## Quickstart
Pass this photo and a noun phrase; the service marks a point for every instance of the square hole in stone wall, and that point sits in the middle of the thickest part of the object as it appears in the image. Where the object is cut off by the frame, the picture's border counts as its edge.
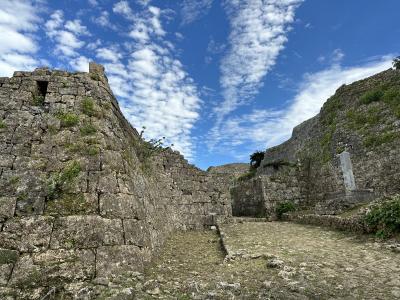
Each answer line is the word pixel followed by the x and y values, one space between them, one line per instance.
pixel 42 88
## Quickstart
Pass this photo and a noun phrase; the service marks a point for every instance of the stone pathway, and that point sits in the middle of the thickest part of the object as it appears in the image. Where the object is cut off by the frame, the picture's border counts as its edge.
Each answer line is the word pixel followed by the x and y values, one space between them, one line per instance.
pixel 272 260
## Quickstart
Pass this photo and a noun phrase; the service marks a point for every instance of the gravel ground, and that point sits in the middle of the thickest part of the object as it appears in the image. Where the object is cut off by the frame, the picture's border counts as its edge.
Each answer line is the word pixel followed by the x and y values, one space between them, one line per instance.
pixel 272 260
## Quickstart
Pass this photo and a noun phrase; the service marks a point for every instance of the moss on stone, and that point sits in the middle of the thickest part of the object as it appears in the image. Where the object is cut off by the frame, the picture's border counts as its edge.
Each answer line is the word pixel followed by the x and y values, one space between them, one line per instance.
pixel 8 256
pixel 14 180
pixel 2 124
pixel 38 100
pixel 87 129
pixel 68 119
pixel 61 180
pixel 95 76
pixel 88 106
pixel 375 140
pixel 68 204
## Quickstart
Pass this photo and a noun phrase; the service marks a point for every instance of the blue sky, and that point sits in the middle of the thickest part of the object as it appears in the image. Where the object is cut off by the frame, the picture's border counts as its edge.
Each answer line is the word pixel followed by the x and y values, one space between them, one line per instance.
pixel 218 79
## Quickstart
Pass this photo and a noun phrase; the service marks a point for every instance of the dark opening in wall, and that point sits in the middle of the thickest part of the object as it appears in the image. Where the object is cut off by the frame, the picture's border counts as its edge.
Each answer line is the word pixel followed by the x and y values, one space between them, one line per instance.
pixel 42 88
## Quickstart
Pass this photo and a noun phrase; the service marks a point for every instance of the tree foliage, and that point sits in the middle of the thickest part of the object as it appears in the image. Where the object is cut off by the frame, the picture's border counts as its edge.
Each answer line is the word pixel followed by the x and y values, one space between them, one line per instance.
pixel 256 159
pixel 396 63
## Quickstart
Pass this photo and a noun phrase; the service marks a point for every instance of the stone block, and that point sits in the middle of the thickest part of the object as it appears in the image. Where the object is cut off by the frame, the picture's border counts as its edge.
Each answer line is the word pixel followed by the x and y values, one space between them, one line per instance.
pixel 73 204
pixel 123 206
pixel 120 260
pixel 7 207
pixel 6 160
pixel 5 273
pixel 28 205
pixel 53 267
pixel 68 91
pixel 27 234
pixel 86 232
pixel 137 233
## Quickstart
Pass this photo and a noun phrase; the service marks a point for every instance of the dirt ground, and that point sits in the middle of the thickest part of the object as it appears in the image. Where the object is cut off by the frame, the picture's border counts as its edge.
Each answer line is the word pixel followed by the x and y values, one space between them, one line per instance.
pixel 272 260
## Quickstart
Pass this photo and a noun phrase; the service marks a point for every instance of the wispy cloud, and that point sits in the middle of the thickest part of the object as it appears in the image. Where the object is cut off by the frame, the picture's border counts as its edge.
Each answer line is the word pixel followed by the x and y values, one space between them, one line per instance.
pixel 67 38
pixel 155 90
pixel 18 20
pixel 191 10
pixel 261 129
pixel 258 34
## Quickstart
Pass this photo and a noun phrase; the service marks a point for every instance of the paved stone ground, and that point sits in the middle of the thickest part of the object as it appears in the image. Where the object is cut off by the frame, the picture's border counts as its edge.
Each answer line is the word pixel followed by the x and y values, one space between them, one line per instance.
pixel 272 261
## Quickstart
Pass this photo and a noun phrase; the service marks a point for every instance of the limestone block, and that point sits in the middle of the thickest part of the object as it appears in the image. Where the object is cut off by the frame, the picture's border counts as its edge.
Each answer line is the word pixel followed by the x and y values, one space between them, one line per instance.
pixel 107 183
pixel 86 232
pixel 5 273
pixel 137 233
pixel 28 204
pixel 7 260
pixel 68 91
pixel 7 207
pixel 73 204
pixel 6 160
pixel 119 260
pixel 123 206
pixel 28 234
pixel 53 266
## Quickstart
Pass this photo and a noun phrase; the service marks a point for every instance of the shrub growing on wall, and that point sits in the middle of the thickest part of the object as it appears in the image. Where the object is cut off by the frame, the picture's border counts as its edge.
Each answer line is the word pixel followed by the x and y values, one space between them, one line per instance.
pixel 384 218
pixel 283 208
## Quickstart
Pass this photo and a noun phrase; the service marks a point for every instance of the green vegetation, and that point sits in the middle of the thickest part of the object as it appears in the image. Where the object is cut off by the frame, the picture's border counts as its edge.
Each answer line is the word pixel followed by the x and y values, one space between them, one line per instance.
pixel 375 140
pixel 2 124
pixel 87 129
pixel 256 159
pixel 384 218
pixel 8 256
pixel 68 204
pixel 88 107
pixel 88 147
pixel 61 180
pixel 14 180
pixel 283 208
pixel 145 150
pixel 38 100
pixel 386 93
pixel 358 120
pixel 396 63
pixel 68 119
pixel 330 110
pixel 95 76
pixel 340 149
pixel 246 176
pixel 326 143
pixel 372 96
pixel 52 129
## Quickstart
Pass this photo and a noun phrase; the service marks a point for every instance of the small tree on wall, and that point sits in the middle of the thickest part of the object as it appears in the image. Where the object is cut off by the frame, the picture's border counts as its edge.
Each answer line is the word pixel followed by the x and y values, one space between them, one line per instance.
pixel 396 63
pixel 256 158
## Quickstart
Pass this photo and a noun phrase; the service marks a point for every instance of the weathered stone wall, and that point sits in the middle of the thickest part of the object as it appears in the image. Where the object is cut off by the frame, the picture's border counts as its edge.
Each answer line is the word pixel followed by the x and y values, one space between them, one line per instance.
pixel 370 132
pixel 81 197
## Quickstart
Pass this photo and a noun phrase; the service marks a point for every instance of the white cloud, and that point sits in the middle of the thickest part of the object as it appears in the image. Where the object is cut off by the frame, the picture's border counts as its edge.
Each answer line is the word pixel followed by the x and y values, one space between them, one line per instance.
pixel 155 90
pixel 18 20
pixel 93 2
pixel 191 10
pixel 258 34
pixel 76 27
pixel 261 129
pixel 104 20
pixel 80 63
pixel 66 35
pixel 123 8
pixel 109 54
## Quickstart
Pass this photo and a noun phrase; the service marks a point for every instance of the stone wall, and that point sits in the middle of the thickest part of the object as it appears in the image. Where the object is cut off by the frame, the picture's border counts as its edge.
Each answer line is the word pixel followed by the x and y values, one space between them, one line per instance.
pixel 82 198
pixel 370 132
